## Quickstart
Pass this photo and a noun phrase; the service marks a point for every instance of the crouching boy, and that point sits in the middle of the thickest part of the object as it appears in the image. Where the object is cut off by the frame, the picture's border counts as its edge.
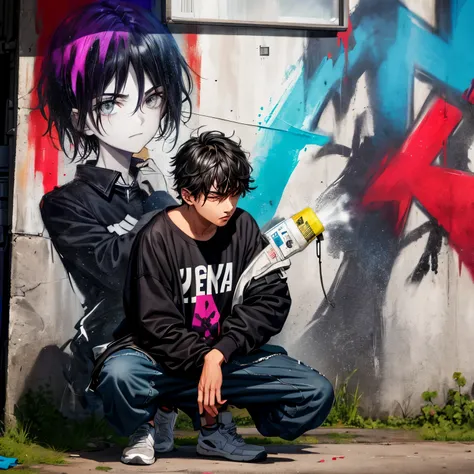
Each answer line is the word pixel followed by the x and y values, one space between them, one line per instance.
pixel 184 345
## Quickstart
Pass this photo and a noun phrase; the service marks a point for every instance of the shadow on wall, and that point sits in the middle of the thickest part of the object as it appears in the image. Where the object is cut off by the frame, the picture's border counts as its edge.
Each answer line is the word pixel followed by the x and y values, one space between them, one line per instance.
pixel 48 372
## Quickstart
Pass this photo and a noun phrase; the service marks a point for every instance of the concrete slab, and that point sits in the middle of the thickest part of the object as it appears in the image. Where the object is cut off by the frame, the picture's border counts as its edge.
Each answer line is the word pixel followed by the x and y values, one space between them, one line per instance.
pixel 413 458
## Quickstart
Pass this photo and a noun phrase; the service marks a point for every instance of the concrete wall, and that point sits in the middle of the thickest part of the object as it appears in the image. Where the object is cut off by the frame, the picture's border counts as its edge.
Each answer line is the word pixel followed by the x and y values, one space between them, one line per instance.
pixel 371 129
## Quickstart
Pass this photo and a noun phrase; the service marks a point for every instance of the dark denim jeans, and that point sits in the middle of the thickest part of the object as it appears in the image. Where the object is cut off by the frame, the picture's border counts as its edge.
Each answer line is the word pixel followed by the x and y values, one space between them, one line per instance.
pixel 284 397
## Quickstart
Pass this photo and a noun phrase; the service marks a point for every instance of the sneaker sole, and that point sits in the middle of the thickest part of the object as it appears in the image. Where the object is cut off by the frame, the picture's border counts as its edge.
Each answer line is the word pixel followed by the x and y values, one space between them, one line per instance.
pixel 138 460
pixel 261 456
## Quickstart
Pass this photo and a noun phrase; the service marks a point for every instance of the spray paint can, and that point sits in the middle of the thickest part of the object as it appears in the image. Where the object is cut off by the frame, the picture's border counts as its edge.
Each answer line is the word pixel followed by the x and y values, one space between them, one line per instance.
pixel 286 238
pixel 293 234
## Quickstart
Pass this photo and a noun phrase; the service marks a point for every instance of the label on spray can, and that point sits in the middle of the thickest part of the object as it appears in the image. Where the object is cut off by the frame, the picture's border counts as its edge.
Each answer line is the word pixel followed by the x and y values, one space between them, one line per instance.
pixel 308 224
pixel 283 239
pixel 271 254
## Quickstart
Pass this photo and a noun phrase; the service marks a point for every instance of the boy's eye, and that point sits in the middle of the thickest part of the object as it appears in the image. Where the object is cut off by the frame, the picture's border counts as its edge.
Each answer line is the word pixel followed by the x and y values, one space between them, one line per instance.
pixel 215 197
pixel 153 100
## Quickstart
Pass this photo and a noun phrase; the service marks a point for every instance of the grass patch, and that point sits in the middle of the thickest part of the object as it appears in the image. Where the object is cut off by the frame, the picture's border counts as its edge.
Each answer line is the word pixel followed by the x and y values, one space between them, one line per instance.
pixel 36 413
pixel 259 441
pixel 241 418
pixel 392 423
pixel 16 443
pixel 340 438
pixel 103 468
pixel 433 433
pixel 183 422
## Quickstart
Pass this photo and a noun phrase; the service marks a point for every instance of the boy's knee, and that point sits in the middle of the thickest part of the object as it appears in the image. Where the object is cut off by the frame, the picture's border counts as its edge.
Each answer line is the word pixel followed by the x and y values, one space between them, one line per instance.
pixel 320 384
pixel 117 369
pixel 321 387
pixel 325 391
pixel 321 393
pixel 322 400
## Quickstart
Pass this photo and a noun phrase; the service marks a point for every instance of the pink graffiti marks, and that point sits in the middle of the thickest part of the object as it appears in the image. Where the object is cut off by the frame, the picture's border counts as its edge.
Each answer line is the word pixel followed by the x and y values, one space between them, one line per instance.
pixel 445 194
pixel 206 317
pixel 194 60
pixel 82 47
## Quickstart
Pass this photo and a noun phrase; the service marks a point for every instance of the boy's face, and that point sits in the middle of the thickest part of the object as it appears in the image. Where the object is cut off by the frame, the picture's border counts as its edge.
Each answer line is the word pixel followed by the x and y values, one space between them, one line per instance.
pixel 122 127
pixel 216 208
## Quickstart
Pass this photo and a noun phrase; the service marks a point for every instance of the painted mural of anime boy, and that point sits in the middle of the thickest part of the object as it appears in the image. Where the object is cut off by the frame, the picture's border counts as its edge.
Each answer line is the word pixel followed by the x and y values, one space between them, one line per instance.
pixel 112 81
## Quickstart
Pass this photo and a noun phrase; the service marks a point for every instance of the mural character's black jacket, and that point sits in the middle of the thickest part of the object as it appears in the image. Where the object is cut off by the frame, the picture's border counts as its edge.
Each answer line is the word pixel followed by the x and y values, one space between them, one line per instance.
pixel 178 296
pixel 92 222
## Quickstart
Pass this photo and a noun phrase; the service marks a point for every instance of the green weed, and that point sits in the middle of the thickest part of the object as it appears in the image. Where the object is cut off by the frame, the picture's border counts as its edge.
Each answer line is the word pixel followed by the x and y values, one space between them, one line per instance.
pixel 16 443
pixel 345 410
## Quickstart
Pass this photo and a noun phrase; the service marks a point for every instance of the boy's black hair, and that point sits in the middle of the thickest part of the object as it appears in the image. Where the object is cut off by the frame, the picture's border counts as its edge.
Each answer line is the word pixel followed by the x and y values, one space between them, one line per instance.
pixel 212 163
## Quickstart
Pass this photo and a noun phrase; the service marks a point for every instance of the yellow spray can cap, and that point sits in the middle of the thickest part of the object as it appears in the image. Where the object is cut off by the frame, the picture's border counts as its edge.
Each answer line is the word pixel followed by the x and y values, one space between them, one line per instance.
pixel 308 224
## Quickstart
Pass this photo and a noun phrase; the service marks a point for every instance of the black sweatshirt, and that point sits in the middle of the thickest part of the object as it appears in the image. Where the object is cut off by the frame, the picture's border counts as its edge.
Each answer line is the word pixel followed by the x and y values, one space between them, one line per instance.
pixel 178 294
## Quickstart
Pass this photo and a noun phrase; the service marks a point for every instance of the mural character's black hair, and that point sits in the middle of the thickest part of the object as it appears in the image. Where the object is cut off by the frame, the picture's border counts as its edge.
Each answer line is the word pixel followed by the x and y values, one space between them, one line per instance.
pixel 96 45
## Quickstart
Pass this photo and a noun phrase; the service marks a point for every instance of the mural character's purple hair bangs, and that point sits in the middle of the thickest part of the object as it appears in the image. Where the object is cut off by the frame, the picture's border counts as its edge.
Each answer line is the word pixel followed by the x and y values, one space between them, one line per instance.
pixel 97 45
pixel 80 49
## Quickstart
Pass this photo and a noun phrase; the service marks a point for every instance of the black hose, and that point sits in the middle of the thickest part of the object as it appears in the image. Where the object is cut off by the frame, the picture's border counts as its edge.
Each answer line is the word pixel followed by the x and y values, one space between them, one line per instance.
pixel 318 254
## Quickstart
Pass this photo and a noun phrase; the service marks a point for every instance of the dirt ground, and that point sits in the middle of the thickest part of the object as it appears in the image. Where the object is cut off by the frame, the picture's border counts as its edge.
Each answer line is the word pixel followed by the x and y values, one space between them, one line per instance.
pixel 363 452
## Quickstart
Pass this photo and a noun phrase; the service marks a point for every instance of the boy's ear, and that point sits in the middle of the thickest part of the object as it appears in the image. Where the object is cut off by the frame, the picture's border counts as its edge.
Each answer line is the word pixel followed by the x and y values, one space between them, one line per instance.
pixel 186 197
pixel 75 122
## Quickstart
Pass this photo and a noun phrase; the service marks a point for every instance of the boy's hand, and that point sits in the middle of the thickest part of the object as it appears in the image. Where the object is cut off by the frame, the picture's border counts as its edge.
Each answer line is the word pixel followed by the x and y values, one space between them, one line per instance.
pixel 209 388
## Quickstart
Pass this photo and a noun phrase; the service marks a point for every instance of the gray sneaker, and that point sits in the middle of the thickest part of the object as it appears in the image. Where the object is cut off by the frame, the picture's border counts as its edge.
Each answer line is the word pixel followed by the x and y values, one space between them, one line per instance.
pixel 164 426
pixel 141 446
pixel 224 442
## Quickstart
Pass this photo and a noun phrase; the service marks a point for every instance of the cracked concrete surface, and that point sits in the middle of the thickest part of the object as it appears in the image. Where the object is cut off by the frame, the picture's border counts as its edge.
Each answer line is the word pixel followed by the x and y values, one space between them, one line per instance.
pixel 413 458
pixel 43 308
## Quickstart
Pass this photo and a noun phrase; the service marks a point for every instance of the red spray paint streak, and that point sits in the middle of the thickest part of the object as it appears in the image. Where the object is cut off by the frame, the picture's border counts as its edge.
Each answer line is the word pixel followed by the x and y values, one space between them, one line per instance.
pixel 344 37
pixel 446 194
pixel 194 60
pixel 49 14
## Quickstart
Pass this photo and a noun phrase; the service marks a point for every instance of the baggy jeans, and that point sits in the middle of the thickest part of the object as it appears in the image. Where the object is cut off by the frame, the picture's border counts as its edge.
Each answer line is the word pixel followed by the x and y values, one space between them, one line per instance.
pixel 284 397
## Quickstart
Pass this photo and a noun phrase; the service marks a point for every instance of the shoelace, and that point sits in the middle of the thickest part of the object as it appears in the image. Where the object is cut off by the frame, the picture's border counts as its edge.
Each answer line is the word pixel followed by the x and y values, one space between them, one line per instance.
pixel 140 437
pixel 232 430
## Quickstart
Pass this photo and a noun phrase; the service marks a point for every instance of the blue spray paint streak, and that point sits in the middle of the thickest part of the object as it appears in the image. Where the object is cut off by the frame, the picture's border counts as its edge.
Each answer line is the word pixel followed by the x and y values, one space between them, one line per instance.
pixel 451 62
pixel 394 84
pixel 415 48
pixel 278 151
pixel 276 154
